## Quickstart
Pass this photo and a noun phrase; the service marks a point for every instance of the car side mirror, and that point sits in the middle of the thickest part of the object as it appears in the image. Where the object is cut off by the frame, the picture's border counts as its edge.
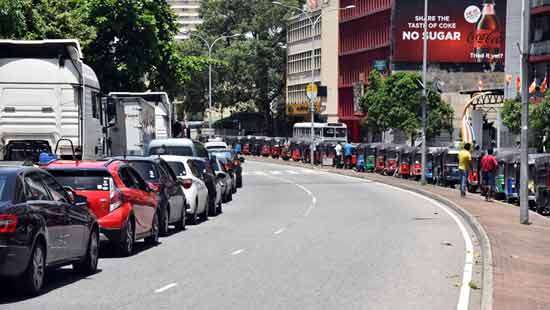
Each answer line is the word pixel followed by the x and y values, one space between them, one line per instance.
pixel 220 175
pixel 70 194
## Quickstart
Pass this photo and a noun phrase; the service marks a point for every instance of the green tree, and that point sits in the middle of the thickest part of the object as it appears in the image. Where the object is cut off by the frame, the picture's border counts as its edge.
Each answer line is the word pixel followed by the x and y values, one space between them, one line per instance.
pixel 511 115
pixel 540 123
pixel 395 102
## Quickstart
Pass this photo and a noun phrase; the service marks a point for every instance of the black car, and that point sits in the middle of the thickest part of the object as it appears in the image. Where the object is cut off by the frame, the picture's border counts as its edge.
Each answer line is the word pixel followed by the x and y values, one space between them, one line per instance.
pixel 42 225
pixel 233 164
pixel 205 168
pixel 172 200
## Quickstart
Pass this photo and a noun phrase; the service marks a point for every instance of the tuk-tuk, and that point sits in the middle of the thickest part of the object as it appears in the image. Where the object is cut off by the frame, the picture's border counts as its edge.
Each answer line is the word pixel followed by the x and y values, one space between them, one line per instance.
pixel 370 157
pixel 351 161
pixel 286 151
pixel 434 164
pixel 266 147
pixel 474 174
pixel 360 164
pixel 381 158
pixel 392 160
pixel 326 153
pixel 507 175
pixel 246 145
pixel 257 146
pixel 416 164
pixel 450 175
pixel 305 150
pixel 405 154
pixel 539 184
pixel 276 148
pixel 295 151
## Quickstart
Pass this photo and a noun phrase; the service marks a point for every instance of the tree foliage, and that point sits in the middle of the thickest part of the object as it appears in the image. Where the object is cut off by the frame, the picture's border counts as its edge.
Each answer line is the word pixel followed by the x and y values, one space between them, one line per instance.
pixel 395 102
pixel 511 115
pixel 539 121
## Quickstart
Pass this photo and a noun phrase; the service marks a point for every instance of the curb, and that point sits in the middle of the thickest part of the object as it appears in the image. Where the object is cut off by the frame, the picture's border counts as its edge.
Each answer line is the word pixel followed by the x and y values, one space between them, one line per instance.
pixel 481 234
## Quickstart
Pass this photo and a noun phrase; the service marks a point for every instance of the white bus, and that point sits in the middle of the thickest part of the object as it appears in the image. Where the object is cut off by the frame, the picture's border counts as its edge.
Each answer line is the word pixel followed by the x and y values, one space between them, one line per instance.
pixel 324 132
pixel 48 93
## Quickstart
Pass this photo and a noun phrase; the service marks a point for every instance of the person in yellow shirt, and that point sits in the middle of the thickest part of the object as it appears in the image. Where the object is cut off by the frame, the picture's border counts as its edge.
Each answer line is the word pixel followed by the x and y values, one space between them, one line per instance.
pixel 464 160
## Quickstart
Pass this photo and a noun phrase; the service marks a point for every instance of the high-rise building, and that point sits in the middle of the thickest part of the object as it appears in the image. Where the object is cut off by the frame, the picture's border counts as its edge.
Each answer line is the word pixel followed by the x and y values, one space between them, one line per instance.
pixel 188 16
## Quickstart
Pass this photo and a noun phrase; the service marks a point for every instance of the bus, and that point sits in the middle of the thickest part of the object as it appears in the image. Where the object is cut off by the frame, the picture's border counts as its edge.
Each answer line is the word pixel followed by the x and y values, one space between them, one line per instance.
pixel 324 132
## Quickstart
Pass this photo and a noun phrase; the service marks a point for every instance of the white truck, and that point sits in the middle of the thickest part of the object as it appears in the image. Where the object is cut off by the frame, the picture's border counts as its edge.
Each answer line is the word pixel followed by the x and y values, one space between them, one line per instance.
pixel 47 94
pixel 134 127
pixel 163 110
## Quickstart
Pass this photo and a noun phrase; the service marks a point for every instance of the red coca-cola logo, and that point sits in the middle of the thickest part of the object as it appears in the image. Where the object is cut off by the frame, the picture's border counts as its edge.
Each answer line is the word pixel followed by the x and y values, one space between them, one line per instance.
pixel 485 39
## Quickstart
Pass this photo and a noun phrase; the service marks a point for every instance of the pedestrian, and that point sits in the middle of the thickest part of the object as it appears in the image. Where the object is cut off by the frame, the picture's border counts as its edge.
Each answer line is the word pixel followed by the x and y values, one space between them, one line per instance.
pixel 464 160
pixel 348 150
pixel 338 150
pixel 489 166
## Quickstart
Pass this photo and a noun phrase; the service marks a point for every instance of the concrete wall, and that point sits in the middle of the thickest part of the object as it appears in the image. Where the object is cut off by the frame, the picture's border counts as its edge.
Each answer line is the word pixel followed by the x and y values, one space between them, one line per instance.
pixel 329 59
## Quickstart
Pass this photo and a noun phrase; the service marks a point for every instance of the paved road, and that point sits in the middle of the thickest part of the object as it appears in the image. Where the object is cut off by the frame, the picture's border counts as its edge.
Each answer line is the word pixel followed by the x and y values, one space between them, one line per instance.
pixel 291 239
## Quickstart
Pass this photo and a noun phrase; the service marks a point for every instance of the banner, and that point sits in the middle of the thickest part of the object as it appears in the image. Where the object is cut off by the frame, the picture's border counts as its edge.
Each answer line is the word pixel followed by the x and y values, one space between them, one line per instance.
pixel 459 31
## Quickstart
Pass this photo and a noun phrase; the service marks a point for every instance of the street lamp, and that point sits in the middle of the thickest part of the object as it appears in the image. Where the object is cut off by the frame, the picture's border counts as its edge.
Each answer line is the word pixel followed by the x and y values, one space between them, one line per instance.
pixel 424 95
pixel 210 46
pixel 313 22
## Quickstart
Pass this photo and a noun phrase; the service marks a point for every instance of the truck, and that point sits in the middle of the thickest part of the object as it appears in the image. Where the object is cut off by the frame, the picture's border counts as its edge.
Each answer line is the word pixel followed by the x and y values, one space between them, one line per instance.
pixel 49 99
pixel 163 110
pixel 134 127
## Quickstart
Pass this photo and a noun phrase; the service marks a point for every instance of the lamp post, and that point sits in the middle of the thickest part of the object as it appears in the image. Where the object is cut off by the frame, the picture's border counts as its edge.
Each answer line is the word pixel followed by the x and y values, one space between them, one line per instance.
pixel 524 157
pixel 313 22
pixel 424 94
pixel 210 47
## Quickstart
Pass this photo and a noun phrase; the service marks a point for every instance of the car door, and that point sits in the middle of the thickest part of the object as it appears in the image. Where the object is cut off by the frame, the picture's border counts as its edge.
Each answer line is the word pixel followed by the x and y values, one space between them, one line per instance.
pixel 77 217
pixel 202 190
pixel 54 216
pixel 145 201
pixel 174 191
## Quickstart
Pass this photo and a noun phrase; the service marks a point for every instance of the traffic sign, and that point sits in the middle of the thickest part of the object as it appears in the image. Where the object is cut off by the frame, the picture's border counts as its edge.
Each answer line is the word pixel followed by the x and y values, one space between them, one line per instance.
pixel 311 91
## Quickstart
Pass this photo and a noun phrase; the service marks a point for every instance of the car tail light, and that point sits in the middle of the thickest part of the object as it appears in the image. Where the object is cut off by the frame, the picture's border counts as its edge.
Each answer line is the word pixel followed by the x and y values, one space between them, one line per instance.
pixel 116 199
pixel 186 183
pixel 8 223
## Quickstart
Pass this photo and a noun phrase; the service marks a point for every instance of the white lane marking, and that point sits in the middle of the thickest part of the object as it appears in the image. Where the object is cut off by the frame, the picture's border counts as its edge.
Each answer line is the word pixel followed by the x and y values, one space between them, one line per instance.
pixel 166 287
pixel 274 172
pixel 313 199
pixel 280 231
pixel 237 252
pixel 260 173
pixel 464 297
pixel 292 172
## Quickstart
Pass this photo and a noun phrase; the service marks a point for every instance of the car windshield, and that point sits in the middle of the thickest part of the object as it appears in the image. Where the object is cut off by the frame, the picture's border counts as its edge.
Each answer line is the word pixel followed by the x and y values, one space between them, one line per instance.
pixel 146 169
pixel 171 150
pixel 178 168
pixel 227 155
pixel 84 180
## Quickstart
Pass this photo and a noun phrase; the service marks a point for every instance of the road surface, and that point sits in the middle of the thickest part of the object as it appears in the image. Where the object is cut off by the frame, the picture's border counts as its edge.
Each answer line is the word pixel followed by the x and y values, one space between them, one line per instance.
pixel 291 239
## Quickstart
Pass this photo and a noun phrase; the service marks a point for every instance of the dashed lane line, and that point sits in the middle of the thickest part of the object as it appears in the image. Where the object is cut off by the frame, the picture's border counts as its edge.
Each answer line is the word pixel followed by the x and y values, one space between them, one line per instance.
pixel 166 287
pixel 237 252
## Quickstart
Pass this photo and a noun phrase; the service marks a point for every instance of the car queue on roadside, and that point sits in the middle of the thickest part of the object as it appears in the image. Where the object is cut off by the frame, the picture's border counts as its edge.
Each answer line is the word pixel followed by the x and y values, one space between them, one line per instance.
pixel 65 212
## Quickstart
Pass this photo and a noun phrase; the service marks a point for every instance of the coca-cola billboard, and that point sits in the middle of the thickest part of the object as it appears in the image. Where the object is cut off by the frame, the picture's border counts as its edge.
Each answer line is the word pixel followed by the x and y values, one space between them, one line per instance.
pixel 459 31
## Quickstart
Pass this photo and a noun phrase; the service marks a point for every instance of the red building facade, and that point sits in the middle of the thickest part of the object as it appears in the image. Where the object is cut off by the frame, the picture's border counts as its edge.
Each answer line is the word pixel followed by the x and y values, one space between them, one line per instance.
pixel 365 37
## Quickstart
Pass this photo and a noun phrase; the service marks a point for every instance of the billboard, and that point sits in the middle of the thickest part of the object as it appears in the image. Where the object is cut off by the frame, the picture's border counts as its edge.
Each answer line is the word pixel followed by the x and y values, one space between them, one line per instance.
pixel 459 31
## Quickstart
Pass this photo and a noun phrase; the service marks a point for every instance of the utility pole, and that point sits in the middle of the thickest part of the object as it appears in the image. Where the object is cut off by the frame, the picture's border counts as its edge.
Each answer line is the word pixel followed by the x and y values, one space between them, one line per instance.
pixel 524 166
pixel 424 94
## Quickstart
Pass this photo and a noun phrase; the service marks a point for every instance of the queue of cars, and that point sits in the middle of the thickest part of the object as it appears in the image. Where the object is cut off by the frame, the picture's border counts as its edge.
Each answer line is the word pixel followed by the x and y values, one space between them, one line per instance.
pixel 59 212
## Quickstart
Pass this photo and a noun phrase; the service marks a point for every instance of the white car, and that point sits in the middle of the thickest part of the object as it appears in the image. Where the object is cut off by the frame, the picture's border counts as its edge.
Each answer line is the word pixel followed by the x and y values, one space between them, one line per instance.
pixel 216 145
pixel 194 187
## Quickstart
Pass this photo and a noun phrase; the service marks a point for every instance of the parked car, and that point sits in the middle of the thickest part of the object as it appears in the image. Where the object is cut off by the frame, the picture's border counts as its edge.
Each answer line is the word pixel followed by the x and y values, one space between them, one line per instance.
pixel 204 166
pixel 194 186
pixel 124 204
pixel 216 146
pixel 234 164
pixel 223 175
pixel 178 147
pixel 43 225
pixel 171 199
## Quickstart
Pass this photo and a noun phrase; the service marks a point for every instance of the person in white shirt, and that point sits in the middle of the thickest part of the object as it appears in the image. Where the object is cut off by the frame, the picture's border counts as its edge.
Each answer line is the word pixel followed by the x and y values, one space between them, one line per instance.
pixel 338 150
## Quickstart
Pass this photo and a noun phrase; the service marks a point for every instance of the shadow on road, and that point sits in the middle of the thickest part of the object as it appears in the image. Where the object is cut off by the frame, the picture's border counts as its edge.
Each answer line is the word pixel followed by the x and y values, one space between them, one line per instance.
pixel 55 278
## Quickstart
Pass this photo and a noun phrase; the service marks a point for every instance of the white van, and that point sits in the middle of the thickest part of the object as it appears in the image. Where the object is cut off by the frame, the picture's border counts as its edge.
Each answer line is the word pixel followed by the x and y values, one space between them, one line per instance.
pixel 163 110
pixel 47 93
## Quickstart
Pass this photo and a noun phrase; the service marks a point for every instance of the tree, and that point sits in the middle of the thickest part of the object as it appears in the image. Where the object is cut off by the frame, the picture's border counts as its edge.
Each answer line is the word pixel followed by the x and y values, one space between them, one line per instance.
pixel 395 102
pixel 511 115
pixel 539 121
pixel 256 61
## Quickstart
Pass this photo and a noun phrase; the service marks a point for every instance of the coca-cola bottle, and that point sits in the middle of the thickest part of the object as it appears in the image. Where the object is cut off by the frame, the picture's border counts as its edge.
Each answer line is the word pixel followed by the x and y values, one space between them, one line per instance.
pixel 487 37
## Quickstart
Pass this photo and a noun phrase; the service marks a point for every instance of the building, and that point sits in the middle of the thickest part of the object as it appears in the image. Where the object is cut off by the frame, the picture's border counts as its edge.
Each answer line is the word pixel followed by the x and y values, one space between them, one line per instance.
pixel 187 16
pixel 387 35
pixel 365 40
pixel 539 56
pixel 301 42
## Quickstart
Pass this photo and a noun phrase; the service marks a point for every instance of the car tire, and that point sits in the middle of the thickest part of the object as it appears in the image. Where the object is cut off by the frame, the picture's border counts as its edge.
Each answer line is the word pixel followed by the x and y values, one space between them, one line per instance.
pixel 230 197
pixel 153 239
pixel 220 208
pixel 180 225
pixel 205 213
pixel 239 181
pixel 32 280
pixel 164 221
pixel 212 209
pixel 127 238
pixel 88 265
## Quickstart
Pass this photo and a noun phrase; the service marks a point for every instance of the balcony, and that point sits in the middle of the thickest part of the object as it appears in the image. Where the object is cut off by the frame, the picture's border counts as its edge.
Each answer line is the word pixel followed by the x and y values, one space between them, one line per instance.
pixel 539 51
pixel 539 7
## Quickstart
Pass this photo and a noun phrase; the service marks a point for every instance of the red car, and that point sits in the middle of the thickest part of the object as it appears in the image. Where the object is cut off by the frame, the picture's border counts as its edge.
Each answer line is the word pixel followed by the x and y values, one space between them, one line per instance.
pixel 124 204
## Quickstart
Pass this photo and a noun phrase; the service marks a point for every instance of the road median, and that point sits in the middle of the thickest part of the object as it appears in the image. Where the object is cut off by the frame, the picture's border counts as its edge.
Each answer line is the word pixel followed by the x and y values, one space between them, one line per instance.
pixel 515 264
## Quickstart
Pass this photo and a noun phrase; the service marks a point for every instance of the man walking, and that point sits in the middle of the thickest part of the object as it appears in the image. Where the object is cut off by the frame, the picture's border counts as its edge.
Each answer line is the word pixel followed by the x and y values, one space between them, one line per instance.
pixel 348 151
pixel 489 166
pixel 464 160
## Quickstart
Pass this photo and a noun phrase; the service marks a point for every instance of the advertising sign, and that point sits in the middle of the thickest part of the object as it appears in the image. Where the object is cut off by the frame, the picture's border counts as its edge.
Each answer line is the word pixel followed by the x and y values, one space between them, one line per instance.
pixel 459 31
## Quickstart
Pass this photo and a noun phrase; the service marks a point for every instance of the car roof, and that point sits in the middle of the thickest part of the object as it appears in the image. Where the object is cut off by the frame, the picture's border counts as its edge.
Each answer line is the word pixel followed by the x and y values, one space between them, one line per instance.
pixel 171 142
pixel 215 143
pixel 151 159
pixel 176 158
pixel 80 164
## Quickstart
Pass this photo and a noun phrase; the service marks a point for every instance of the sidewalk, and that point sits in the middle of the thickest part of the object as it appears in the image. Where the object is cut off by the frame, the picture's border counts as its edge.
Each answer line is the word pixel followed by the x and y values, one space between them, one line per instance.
pixel 520 253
